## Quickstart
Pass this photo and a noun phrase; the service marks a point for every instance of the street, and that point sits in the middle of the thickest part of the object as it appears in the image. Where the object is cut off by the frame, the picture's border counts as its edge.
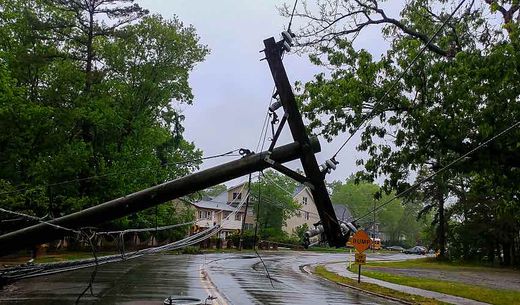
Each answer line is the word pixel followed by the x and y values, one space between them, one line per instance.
pixel 232 278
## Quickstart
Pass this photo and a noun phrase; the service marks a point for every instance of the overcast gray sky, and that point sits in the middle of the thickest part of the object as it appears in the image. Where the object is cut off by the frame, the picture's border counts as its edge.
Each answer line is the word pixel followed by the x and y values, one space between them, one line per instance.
pixel 232 87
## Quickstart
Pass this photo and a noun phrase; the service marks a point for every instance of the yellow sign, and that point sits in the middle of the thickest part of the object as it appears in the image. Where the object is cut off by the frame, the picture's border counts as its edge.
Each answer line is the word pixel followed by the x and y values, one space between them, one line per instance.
pixel 361 258
pixel 361 241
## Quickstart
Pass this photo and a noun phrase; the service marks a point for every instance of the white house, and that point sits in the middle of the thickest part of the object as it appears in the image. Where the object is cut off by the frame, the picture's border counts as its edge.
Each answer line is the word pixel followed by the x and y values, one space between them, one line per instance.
pixel 307 213
pixel 212 211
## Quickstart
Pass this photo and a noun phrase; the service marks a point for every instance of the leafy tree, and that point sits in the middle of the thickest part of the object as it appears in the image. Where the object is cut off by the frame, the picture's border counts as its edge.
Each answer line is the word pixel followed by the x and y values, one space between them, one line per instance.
pixel 86 26
pixel 273 203
pixel 299 231
pixel 89 92
pixel 460 92
pixel 215 190
pixel 396 220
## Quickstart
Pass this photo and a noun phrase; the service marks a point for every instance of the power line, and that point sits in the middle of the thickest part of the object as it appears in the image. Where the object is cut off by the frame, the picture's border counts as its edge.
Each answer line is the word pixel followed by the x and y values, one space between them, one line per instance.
pixel 285 190
pixel 90 285
pixel 163 228
pixel 417 184
pixel 395 82
pixel 51 268
pixel 292 15
pixel 39 220
pixel 17 190
pixel 265 124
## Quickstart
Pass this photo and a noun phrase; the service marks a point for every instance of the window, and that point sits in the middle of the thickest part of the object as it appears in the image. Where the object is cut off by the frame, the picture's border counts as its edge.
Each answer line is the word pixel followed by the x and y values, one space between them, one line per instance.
pixel 238 216
pixel 307 216
pixel 299 214
pixel 304 200
pixel 205 214
pixel 237 196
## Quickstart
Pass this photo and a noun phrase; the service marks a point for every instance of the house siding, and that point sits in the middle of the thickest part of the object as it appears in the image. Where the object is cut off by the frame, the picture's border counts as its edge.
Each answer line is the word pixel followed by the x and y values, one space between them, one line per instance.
pixel 308 213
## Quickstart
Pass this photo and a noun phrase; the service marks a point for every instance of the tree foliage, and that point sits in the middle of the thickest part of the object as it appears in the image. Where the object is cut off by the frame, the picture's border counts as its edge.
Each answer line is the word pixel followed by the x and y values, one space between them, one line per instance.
pixel 273 203
pixel 461 91
pixel 214 190
pixel 397 222
pixel 89 99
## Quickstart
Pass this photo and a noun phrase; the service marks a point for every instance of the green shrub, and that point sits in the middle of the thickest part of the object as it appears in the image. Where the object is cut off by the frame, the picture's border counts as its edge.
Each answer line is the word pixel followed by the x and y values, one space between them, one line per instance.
pixel 191 250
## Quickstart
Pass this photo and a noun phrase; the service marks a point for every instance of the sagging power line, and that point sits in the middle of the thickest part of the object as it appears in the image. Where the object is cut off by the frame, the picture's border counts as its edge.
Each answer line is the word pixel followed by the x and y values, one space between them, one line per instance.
pixel 16 273
pixel 443 169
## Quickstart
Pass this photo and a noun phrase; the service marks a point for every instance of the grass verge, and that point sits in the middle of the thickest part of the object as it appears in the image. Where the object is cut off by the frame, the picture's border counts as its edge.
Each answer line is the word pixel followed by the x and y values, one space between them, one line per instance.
pixel 478 293
pixel 433 263
pixel 327 250
pixel 410 298
pixel 344 250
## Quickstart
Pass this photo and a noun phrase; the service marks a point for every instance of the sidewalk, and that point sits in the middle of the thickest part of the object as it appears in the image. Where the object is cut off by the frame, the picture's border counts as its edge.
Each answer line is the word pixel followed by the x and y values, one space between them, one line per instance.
pixel 340 269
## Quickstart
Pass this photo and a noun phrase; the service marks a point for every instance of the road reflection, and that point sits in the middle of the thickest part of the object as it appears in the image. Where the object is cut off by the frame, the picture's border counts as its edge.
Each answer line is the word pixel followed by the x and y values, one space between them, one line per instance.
pixel 235 278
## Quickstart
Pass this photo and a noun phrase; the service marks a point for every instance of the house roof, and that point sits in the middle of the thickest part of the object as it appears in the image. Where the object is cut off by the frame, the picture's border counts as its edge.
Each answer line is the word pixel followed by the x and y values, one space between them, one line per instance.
pixel 222 197
pixel 298 189
pixel 213 205
pixel 237 186
pixel 220 202
pixel 342 212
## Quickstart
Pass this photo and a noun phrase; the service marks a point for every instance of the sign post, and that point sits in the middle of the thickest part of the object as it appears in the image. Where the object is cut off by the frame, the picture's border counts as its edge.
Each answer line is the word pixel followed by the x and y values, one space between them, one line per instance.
pixel 361 242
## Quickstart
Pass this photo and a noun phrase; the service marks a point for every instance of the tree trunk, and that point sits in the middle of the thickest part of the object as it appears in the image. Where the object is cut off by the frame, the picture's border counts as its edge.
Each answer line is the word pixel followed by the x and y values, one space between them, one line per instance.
pixel 441 231
pixel 506 248
pixel 491 253
pixel 90 51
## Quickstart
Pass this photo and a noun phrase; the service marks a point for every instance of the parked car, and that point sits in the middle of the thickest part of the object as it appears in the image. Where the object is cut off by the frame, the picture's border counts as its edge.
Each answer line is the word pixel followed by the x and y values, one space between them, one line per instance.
pixel 395 248
pixel 416 250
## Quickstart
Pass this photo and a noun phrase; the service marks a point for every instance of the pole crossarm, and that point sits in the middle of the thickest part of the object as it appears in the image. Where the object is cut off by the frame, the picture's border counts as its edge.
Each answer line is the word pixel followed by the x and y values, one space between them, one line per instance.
pixel 332 230
pixel 150 197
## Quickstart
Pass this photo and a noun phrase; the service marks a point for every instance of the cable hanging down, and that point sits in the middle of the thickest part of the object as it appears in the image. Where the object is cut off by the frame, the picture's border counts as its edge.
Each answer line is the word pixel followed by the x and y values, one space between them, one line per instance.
pixel 21 272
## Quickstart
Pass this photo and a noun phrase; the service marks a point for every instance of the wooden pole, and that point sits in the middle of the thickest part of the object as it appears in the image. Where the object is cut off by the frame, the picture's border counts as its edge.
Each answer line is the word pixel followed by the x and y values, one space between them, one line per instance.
pixel 245 214
pixel 148 198
pixel 311 168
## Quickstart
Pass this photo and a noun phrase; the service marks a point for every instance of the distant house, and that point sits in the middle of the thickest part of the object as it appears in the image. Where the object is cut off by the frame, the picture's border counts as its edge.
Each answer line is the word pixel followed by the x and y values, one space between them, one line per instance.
pixel 237 194
pixel 342 212
pixel 211 211
pixel 307 213
pixel 217 210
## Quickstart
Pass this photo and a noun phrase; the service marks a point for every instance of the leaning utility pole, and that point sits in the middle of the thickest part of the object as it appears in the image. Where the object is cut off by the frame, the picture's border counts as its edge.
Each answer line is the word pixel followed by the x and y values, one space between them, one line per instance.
pixel 314 177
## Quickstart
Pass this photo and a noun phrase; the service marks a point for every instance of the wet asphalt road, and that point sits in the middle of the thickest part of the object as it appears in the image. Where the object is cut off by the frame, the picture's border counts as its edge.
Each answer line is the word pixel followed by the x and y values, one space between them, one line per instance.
pixel 233 278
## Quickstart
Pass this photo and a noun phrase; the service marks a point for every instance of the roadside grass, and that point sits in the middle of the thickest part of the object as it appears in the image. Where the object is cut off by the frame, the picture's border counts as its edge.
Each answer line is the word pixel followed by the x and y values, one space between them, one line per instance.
pixel 414 299
pixel 343 250
pixel 478 293
pixel 433 263
pixel 326 250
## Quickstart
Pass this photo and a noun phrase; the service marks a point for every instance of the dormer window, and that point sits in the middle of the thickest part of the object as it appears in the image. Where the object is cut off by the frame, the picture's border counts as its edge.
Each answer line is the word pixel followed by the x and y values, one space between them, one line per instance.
pixel 237 196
